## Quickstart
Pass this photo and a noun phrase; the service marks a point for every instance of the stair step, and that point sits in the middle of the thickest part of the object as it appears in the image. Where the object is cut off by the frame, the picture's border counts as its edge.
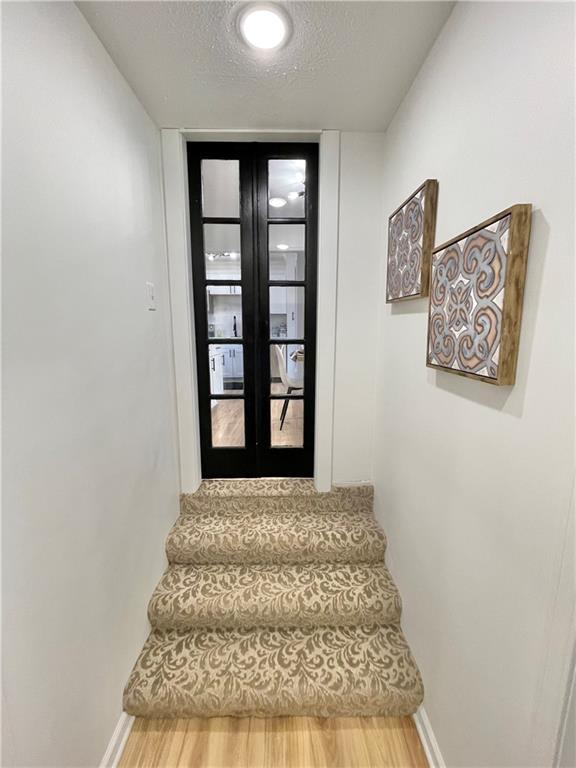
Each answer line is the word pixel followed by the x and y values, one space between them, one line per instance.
pixel 259 486
pixel 254 536
pixel 319 503
pixel 194 597
pixel 269 486
pixel 320 672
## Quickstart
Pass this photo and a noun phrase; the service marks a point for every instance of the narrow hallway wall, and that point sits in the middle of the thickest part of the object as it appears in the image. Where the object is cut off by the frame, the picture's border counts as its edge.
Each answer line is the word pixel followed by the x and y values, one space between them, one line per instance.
pixel 473 482
pixel 90 472
pixel 568 754
pixel 360 247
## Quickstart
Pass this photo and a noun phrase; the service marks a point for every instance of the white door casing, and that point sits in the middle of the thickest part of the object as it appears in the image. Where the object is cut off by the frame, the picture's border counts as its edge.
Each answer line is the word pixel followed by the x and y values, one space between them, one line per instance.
pixel 181 300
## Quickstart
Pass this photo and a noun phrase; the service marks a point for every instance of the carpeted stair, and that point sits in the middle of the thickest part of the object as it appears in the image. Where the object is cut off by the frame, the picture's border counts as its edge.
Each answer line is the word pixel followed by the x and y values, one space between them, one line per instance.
pixel 276 601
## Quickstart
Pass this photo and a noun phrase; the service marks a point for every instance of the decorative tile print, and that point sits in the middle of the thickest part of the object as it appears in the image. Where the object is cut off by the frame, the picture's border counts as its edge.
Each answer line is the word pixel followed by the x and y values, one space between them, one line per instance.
pixel 410 242
pixel 405 234
pixel 466 301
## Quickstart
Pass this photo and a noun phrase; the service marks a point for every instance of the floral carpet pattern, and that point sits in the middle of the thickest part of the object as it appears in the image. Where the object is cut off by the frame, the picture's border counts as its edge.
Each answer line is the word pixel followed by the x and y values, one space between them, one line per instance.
pixel 276 601
pixel 343 500
pixel 322 594
pixel 280 537
pixel 321 671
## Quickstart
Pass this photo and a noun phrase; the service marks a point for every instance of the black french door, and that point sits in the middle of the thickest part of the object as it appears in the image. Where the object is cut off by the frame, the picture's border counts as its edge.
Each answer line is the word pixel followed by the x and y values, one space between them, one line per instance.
pixel 253 219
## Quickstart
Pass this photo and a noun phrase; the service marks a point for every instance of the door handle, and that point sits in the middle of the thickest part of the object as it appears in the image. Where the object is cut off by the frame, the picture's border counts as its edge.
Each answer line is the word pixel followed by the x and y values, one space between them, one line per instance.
pixel 213 361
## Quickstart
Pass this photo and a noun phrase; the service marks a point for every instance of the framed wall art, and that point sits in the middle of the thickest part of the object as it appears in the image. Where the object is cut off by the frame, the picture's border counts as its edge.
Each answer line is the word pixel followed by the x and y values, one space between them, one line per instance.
pixel 411 231
pixel 476 293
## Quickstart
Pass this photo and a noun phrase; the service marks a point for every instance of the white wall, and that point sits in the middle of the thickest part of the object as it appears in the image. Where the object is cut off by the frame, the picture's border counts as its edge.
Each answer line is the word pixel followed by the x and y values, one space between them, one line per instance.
pixel 473 482
pixel 360 248
pixel 90 472
pixel 568 746
pixel 568 753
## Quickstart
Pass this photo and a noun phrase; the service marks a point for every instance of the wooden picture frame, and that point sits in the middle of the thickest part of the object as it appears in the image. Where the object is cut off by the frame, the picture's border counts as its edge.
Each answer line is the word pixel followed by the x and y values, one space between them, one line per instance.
pixel 476 294
pixel 411 231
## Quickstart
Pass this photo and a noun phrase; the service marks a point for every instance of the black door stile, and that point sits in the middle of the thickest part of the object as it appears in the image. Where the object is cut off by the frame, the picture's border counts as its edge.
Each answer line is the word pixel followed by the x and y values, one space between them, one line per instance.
pixel 257 457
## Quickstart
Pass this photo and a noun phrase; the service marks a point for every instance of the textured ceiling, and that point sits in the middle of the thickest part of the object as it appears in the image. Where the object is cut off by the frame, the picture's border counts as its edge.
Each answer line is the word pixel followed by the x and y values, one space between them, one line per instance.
pixel 347 65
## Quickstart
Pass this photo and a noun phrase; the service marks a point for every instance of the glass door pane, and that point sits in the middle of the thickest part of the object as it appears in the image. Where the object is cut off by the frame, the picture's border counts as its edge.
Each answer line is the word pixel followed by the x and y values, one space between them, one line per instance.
pixel 287 251
pixel 287 423
pixel 226 369
pixel 222 251
pixel 286 188
pixel 221 188
pixel 286 369
pixel 224 308
pixel 227 421
pixel 287 312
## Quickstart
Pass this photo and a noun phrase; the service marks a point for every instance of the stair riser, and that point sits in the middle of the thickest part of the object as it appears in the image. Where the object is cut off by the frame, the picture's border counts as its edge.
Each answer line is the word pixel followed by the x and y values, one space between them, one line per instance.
pixel 271 487
pixel 211 553
pixel 351 708
pixel 330 503
pixel 257 486
pixel 247 615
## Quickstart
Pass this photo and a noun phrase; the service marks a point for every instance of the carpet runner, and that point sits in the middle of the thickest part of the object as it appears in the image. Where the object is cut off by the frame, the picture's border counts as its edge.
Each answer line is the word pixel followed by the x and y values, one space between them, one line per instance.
pixel 276 601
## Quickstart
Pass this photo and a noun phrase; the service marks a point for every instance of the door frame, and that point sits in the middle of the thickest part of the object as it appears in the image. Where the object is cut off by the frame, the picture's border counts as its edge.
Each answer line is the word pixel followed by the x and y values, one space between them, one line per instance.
pixel 178 246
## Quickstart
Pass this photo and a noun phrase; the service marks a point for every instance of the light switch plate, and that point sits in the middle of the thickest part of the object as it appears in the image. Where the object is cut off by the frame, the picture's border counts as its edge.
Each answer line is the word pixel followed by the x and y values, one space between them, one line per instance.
pixel 151 296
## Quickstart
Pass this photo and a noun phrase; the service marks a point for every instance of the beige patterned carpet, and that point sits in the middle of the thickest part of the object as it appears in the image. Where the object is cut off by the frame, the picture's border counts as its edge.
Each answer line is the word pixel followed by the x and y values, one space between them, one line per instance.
pixel 276 601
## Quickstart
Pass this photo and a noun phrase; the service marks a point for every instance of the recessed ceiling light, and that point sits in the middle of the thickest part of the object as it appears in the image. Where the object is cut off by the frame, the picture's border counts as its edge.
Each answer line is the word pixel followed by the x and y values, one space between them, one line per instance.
pixel 211 256
pixel 277 202
pixel 263 26
pixel 282 247
pixel 293 195
pixel 234 254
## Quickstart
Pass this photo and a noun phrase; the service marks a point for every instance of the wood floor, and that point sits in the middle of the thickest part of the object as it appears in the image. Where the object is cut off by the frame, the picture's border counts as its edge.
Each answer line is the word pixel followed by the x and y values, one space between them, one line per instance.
pixel 281 742
pixel 228 423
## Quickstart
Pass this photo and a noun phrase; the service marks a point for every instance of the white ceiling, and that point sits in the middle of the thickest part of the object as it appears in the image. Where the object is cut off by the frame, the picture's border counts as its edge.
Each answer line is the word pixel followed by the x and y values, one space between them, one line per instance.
pixel 347 65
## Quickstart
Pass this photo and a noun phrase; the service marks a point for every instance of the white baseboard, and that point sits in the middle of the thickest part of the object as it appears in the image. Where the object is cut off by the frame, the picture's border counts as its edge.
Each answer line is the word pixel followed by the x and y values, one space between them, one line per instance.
pixel 351 483
pixel 117 742
pixel 428 739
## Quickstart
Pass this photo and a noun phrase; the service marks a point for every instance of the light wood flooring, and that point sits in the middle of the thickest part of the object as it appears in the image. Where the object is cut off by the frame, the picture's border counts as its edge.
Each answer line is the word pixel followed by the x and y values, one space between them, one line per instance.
pixel 228 423
pixel 280 742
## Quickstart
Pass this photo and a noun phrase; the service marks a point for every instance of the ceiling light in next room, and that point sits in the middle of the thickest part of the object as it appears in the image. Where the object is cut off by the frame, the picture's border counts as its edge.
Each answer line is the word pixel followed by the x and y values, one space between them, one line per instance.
pixel 264 26
pixel 277 202
pixel 293 195
pixel 282 247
